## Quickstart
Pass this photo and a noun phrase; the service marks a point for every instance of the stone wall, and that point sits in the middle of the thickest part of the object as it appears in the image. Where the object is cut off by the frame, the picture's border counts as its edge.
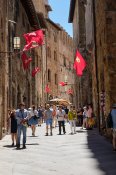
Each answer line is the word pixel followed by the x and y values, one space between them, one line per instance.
pixel 66 60
pixel 41 59
pixel 52 57
pixel 15 83
pixel 106 49
pixel 4 56
pixel 59 50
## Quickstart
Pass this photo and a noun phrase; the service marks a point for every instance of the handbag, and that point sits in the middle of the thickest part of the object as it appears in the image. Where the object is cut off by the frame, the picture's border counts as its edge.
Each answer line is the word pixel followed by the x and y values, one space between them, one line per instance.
pixel 24 122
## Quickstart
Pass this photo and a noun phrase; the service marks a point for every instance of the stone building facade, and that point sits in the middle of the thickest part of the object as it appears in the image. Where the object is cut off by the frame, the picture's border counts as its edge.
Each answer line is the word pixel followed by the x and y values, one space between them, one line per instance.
pixel 16 84
pixel 65 66
pixel 52 57
pixel 59 60
pixel 42 9
pixel 100 49
pixel 106 54
pixel 83 84
pixel 3 66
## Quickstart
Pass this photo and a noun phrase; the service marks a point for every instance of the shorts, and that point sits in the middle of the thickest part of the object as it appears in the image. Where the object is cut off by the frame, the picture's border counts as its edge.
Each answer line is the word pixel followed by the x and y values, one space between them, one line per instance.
pixel 49 122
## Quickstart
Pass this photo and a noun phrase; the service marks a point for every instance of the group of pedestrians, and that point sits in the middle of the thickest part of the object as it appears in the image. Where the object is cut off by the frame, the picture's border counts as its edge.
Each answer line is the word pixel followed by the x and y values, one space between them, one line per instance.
pixel 86 117
pixel 52 116
pixel 19 120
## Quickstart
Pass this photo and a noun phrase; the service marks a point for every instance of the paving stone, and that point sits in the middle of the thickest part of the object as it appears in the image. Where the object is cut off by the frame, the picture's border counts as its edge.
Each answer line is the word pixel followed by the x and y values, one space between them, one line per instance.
pixel 86 152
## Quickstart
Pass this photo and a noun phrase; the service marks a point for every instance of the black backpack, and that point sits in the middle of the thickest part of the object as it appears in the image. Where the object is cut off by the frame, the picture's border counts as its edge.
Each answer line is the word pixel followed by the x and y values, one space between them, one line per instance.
pixel 109 121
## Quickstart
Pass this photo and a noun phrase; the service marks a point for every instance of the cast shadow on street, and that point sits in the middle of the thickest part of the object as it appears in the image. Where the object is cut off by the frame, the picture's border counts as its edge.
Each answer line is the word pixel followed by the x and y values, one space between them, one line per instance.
pixel 81 131
pixel 103 152
pixel 33 136
pixel 10 146
pixel 32 144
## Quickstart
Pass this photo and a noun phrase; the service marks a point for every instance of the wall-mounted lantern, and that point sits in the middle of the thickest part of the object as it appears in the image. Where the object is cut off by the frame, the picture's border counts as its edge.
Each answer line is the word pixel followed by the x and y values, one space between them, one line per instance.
pixel 16 43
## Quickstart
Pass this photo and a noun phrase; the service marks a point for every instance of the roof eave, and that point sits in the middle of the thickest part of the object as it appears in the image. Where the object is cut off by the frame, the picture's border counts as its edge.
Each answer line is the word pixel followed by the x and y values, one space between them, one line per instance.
pixel 54 24
pixel 48 7
pixel 31 13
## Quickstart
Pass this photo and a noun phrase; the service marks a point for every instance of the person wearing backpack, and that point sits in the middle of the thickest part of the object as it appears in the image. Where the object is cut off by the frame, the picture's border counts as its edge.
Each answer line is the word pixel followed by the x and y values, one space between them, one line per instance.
pixel 113 115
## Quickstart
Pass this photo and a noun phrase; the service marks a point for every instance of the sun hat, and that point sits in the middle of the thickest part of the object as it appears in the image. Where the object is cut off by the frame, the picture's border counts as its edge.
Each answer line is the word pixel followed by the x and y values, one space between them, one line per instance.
pixel 22 104
pixel 29 109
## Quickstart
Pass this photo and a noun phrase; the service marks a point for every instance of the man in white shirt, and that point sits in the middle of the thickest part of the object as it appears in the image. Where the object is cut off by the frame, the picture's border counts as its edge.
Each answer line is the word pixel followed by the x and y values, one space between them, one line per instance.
pixel 61 117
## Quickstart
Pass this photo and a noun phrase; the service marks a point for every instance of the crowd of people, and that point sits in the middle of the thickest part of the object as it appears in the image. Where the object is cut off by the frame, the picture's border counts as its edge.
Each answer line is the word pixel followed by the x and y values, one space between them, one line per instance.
pixel 52 116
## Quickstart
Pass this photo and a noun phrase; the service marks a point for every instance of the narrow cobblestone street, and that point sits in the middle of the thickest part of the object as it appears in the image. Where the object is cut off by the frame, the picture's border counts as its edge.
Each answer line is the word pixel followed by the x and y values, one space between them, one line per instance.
pixel 83 153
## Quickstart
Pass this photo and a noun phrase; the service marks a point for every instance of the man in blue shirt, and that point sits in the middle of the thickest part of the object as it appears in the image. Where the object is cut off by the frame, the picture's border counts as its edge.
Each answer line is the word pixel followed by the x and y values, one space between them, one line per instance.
pixel 113 114
pixel 21 116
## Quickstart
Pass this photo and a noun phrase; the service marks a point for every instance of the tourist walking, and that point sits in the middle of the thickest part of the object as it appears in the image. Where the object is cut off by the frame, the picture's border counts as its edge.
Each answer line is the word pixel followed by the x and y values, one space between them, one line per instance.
pixel 21 116
pixel 54 114
pixel 72 116
pixel 89 111
pixel 66 113
pixel 80 116
pixel 89 117
pixel 13 127
pixel 61 119
pixel 33 119
pixel 84 118
pixel 48 119
pixel 9 122
pixel 40 115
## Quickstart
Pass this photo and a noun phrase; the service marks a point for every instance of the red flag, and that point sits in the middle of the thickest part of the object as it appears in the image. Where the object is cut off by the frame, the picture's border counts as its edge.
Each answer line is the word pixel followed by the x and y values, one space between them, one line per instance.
pixel 29 46
pixel 70 91
pixel 24 57
pixel 34 71
pixel 63 83
pixel 33 39
pixel 47 89
pixel 26 63
pixel 79 64
pixel 25 60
